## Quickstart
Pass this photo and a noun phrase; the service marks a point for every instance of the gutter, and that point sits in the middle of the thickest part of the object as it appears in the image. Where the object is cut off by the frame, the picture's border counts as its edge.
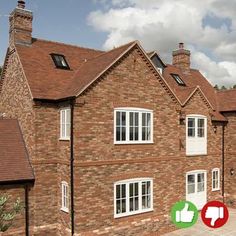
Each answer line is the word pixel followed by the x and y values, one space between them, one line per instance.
pixel 17 182
pixel 26 210
pixel 72 104
pixel 223 161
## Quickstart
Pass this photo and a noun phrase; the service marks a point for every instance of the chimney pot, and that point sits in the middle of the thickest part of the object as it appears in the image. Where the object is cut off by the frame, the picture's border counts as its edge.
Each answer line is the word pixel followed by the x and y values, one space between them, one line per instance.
pixel 21 4
pixel 181 45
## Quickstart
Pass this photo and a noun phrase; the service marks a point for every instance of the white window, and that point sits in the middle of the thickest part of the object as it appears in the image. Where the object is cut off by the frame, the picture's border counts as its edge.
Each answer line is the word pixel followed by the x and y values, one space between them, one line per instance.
pixel 215 179
pixel 160 70
pixel 133 125
pixel 64 196
pixel 65 124
pixel 196 135
pixel 133 196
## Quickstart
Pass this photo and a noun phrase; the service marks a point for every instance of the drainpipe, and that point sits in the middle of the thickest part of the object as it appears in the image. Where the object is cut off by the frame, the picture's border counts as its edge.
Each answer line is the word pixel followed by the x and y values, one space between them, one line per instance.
pixel 223 162
pixel 26 210
pixel 72 166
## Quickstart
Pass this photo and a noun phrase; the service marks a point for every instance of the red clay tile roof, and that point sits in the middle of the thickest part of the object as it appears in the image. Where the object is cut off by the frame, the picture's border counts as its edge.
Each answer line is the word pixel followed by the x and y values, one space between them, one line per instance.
pixel 14 161
pixel 44 79
pixel 48 82
pixel 227 100
pixel 193 80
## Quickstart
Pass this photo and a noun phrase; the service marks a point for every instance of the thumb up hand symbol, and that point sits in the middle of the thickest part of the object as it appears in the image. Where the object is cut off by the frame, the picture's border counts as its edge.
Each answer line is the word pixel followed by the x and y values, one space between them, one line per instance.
pixel 184 215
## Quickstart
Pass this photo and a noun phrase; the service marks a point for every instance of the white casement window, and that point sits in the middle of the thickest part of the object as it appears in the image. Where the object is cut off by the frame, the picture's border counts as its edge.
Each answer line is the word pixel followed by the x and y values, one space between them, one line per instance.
pixel 215 179
pixel 133 196
pixel 65 124
pixel 64 196
pixel 196 135
pixel 133 125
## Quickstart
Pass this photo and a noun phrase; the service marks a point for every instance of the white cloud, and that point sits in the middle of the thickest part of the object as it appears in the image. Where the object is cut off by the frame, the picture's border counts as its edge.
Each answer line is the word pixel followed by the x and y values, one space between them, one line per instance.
pixel 161 24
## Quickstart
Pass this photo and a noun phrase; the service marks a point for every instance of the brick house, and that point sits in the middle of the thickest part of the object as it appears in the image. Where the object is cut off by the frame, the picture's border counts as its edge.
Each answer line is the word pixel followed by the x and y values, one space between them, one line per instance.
pixel 114 138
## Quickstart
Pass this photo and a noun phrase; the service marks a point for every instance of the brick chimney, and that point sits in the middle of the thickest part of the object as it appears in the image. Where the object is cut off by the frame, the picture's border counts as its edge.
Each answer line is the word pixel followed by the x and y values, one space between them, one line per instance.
pixel 181 58
pixel 20 25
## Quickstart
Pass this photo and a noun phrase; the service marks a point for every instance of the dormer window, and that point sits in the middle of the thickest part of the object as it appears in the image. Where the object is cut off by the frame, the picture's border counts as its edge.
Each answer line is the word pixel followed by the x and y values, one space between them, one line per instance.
pixel 178 80
pixel 60 61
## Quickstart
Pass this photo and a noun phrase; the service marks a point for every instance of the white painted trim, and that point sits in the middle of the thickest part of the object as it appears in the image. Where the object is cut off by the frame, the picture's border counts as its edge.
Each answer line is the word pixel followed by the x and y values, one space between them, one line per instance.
pixel 127 110
pixel 64 209
pixel 132 109
pixel 127 182
pixel 189 150
pixel 195 172
pixel 64 184
pixel 160 70
pixel 65 138
pixel 218 188
pixel 195 115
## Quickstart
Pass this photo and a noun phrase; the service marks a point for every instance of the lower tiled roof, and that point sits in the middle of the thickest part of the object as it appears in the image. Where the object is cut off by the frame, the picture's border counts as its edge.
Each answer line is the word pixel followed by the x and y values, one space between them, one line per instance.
pixel 227 100
pixel 14 160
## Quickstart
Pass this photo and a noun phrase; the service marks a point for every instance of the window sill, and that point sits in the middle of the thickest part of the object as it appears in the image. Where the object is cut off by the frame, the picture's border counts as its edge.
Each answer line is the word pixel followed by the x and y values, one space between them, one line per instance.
pixel 66 210
pixel 198 154
pixel 133 213
pixel 131 143
pixel 64 139
pixel 215 190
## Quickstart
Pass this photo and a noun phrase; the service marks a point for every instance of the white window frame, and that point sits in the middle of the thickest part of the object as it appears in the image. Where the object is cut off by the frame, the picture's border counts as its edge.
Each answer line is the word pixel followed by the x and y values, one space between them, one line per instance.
pixel 64 196
pixel 194 144
pixel 65 110
pixel 127 110
pixel 127 182
pixel 218 187
pixel 160 70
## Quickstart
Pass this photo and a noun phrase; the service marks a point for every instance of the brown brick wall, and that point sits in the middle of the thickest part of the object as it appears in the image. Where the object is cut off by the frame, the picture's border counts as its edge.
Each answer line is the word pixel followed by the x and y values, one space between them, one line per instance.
pixel 40 127
pixel 181 59
pixel 14 192
pixel 16 103
pixel 99 163
pixel 230 153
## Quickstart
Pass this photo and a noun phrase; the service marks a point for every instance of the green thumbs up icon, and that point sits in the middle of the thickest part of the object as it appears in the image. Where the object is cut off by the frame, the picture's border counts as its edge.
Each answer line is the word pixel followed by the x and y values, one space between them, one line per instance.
pixel 184 214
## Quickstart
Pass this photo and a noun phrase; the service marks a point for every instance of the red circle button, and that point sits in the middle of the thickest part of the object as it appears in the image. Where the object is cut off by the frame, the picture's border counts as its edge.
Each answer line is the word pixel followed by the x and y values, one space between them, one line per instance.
pixel 214 214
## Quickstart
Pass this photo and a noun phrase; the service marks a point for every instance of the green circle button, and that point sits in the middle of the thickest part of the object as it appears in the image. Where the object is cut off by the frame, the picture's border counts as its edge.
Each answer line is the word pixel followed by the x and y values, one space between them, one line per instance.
pixel 184 214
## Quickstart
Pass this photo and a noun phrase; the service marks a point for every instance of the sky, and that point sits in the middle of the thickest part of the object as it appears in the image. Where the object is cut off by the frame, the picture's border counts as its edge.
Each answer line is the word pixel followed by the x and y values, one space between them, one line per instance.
pixel 207 27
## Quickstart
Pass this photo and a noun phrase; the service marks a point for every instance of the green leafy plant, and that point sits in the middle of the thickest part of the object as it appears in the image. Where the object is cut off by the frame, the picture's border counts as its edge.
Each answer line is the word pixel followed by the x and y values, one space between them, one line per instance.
pixel 7 214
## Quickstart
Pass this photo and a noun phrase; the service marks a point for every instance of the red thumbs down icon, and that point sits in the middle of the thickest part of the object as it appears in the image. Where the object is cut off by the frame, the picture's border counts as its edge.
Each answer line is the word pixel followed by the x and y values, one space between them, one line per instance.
pixel 214 214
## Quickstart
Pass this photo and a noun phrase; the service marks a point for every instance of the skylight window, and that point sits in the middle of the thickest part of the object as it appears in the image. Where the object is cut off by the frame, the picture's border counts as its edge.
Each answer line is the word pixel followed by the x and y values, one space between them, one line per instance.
pixel 178 80
pixel 60 61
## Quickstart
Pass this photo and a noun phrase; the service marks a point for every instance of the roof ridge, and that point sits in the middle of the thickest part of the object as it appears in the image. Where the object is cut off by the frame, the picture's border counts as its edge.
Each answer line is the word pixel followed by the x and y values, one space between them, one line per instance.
pixel 227 90
pixel 168 64
pixel 68 44
pixel 112 50
pixel 102 54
